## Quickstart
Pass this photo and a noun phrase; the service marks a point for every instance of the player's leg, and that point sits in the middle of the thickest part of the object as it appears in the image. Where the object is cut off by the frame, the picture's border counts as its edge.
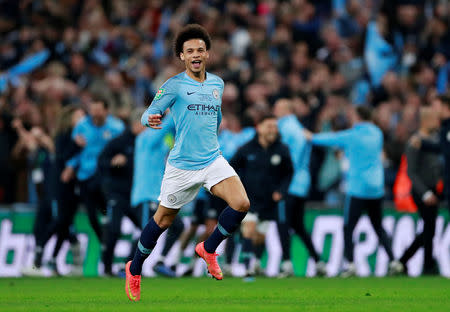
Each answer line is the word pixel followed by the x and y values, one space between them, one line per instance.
pixel 419 239
pixel 352 212
pixel 114 217
pixel 162 219
pixel 375 216
pixel 283 215
pixel 248 230
pixel 297 206
pixel 173 233
pixel 89 200
pixel 232 191
pixel 429 228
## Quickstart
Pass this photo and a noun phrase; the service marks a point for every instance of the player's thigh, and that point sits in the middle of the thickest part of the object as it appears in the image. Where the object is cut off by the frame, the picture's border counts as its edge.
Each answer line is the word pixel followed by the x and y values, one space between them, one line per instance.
pixel 375 208
pixel 352 211
pixel 222 181
pixel 233 192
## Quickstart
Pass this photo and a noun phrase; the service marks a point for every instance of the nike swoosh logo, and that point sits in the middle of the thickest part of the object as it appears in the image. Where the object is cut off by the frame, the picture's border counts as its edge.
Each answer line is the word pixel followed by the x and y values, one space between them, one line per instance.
pixel 129 292
pixel 189 93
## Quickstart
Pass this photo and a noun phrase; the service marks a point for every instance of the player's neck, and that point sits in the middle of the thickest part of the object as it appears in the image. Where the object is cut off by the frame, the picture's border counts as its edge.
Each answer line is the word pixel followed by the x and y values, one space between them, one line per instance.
pixel 200 76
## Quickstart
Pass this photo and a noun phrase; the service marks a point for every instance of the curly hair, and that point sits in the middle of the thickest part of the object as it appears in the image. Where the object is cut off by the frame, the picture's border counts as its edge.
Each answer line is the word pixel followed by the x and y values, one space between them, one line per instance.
pixel 191 31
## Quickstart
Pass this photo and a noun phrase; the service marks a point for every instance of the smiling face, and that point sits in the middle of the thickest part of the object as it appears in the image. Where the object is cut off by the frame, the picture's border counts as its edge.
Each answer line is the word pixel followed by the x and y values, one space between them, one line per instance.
pixel 194 56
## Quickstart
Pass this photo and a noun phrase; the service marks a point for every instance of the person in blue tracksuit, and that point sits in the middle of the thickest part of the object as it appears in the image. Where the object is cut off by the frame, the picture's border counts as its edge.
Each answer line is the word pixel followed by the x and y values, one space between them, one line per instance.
pixel 362 145
pixel 92 133
pixel 292 209
pixel 151 150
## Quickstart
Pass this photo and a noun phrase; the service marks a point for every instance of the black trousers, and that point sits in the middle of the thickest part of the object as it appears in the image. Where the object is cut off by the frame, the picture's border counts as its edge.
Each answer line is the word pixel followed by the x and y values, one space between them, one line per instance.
pixel 67 202
pixel 117 206
pixel 94 200
pixel 291 216
pixel 353 209
pixel 425 239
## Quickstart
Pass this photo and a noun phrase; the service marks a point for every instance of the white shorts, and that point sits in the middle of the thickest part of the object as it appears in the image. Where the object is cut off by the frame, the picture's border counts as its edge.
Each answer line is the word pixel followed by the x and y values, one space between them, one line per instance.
pixel 261 226
pixel 179 186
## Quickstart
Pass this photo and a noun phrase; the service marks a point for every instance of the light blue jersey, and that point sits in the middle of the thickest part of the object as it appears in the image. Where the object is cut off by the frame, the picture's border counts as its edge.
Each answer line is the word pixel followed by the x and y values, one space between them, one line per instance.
pixel 291 131
pixel 96 139
pixel 196 111
pixel 362 145
pixel 150 153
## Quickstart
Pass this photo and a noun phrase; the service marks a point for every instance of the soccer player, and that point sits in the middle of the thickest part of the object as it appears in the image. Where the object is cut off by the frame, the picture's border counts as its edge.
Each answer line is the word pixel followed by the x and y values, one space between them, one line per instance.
pixel 291 131
pixel 363 145
pixel 194 99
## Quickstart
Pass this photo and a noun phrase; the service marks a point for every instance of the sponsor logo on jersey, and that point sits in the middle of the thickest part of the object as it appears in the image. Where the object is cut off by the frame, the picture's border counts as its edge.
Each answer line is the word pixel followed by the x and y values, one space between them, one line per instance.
pixel 204 109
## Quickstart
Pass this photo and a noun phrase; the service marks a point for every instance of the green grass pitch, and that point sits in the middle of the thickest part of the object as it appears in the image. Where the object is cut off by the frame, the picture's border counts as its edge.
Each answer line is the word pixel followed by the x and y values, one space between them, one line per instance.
pixel 429 294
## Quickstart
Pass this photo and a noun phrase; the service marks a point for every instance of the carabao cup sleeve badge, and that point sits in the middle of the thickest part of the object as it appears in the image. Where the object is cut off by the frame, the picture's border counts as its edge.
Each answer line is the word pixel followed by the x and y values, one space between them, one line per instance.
pixel 159 94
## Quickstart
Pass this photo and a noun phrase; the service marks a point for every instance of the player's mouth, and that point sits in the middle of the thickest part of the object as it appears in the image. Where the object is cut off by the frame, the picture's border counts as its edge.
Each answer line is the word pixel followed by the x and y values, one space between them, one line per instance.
pixel 196 64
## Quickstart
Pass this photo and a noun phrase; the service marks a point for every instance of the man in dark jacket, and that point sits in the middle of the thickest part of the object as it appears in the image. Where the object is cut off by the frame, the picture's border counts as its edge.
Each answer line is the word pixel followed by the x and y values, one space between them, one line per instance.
pixel 425 172
pixel 115 166
pixel 265 167
pixel 442 104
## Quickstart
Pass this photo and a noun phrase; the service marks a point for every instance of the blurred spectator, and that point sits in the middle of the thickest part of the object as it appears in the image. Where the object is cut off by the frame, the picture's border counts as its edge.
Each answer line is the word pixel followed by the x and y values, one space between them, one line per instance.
pixel 384 54
pixel 426 190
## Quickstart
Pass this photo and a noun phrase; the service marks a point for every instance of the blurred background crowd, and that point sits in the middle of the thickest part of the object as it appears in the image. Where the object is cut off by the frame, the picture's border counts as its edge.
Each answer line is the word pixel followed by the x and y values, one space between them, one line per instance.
pixel 326 56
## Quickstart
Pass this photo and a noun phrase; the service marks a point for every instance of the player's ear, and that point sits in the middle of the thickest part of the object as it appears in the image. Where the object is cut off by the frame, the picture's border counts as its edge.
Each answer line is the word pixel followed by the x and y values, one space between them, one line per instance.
pixel 207 55
pixel 182 56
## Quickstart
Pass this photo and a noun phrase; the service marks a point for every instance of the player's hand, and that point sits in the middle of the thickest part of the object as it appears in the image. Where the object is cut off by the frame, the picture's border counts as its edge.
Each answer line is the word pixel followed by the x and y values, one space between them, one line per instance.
pixel 80 140
pixel 119 160
pixel 67 174
pixel 277 196
pixel 308 134
pixel 415 141
pixel 154 121
pixel 431 200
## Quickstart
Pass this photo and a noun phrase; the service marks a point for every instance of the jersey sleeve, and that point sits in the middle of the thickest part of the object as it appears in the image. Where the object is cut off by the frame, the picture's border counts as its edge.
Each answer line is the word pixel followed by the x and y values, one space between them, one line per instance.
pixel 164 99
pixel 338 139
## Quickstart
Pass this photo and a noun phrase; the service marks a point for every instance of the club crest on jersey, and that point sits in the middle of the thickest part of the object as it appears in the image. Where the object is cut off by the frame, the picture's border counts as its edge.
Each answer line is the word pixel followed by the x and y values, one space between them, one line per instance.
pixel 107 135
pixel 215 94
pixel 275 160
pixel 159 94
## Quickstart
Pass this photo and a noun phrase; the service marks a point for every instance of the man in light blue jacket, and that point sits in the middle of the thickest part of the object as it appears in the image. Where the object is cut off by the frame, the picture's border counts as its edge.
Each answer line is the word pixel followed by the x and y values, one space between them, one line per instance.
pixel 363 145
pixel 292 209
pixel 92 133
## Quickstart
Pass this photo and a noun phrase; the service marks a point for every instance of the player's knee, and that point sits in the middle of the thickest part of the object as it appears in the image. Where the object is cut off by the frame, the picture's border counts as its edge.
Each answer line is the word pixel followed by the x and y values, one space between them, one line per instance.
pixel 163 222
pixel 243 204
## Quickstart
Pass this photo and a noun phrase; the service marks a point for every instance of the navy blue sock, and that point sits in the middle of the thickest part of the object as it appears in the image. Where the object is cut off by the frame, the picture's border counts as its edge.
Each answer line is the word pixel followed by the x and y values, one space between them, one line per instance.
pixel 229 221
pixel 147 242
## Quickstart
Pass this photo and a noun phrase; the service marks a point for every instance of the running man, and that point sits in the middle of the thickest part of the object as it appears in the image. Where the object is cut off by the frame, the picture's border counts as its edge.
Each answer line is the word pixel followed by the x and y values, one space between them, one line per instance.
pixel 194 99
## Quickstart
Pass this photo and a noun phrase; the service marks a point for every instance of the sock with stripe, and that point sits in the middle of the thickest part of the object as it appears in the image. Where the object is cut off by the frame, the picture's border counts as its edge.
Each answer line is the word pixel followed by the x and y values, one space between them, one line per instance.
pixel 229 221
pixel 146 243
